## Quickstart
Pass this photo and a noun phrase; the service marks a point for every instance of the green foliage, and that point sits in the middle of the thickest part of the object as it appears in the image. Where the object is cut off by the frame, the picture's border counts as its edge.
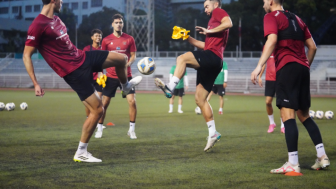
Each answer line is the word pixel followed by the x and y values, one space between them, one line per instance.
pixel 37 145
pixel 69 19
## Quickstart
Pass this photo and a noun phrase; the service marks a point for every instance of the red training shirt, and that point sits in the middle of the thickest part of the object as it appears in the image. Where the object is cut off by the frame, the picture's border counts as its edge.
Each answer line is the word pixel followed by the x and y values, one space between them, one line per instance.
pixel 50 38
pixel 124 44
pixel 288 50
pixel 88 48
pixel 216 42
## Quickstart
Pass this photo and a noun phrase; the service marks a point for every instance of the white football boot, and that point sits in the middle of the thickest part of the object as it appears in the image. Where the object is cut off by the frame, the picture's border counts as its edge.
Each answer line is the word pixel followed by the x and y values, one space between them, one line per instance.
pixel 324 163
pixel 212 141
pixel 132 83
pixel 131 134
pixel 160 84
pixel 180 111
pixel 99 134
pixel 288 169
pixel 86 157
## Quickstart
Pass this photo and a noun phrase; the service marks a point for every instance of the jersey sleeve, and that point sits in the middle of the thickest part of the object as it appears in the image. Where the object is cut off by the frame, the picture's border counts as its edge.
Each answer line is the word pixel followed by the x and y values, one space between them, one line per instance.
pixel 132 45
pixel 219 14
pixel 34 35
pixel 270 25
pixel 103 45
pixel 304 27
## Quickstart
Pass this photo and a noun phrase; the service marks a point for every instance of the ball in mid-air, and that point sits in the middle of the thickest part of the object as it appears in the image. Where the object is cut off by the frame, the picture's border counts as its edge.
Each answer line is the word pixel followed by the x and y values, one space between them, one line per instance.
pixel 146 66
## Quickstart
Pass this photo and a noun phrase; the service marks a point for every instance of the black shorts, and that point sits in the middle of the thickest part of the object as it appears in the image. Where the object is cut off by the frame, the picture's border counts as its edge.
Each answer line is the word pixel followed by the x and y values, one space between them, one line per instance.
pixel 98 87
pixel 270 88
pixel 218 89
pixel 210 66
pixel 111 87
pixel 80 80
pixel 178 92
pixel 293 87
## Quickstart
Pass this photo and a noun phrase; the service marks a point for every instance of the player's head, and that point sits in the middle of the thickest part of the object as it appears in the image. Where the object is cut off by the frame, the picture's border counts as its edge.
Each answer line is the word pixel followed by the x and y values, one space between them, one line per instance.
pixel 269 4
pixel 96 35
pixel 117 22
pixel 210 5
pixel 56 3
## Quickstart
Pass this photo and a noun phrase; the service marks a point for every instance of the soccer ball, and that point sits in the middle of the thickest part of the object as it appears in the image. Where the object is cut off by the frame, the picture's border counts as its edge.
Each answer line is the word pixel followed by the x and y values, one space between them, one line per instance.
pixel 146 66
pixel 13 105
pixel 9 107
pixel 23 106
pixel 319 114
pixel 198 110
pixel 2 106
pixel 312 114
pixel 329 114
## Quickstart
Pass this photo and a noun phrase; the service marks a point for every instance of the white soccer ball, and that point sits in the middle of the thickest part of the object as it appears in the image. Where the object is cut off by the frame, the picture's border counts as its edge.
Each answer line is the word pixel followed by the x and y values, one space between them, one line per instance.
pixel 9 107
pixel 312 114
pixel 329 114
pixel 2 106
pixel 23 106
pixel 319 114
pixel 146 66
pixel 13 105
pixel 198 110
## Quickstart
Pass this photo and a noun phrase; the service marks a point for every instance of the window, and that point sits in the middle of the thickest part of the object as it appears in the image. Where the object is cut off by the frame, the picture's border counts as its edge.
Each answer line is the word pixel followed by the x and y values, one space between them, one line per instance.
pixel 65 5
pixel 15 9
pixel 4 10
pixel 85 5
pixel 96 3
pixel 28 8
pixel 37 8
pixel 74 6
pixel 84 17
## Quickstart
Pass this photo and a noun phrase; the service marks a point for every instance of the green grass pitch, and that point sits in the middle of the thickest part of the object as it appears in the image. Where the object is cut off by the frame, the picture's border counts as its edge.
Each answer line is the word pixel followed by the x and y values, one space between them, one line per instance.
pixel 37 145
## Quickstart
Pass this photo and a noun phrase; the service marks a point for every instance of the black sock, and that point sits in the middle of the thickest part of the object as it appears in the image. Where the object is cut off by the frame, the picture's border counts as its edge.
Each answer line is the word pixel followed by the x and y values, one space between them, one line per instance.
pixel 292 135
pixel 313 130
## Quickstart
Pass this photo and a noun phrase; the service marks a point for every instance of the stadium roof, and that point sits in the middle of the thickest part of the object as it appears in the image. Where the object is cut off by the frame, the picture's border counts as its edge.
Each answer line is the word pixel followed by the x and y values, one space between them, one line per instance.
pixel 10 24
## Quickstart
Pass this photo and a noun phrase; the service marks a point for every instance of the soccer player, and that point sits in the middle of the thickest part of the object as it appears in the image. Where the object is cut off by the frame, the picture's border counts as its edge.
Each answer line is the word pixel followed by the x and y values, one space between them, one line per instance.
pixel 287 35
pixel 270 92
pixel 48 34
pixel 96 36
pixel 219 87
pixel 208 63
pixel 179 91
pixel 123 43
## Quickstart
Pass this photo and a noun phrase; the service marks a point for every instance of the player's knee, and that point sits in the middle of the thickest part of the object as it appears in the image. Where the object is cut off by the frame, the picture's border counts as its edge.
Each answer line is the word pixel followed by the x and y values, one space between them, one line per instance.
pixel 131 101
pixel 198 100
pixel 180 59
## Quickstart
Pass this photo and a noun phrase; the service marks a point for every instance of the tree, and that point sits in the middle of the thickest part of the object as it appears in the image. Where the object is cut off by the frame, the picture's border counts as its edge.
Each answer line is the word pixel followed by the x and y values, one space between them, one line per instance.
pixel 69 19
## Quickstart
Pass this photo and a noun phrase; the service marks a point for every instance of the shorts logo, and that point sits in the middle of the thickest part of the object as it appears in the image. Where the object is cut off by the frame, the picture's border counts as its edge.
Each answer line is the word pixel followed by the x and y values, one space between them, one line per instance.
pixel 31 37
pixel 286 100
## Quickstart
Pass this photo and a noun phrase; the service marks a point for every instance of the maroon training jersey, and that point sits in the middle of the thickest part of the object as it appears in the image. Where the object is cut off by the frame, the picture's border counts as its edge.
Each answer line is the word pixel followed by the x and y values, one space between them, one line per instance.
pixel 270 69
pixel 216 42
pixel 124 44
pixel 288 50
pixel 89 48
pixel 50 37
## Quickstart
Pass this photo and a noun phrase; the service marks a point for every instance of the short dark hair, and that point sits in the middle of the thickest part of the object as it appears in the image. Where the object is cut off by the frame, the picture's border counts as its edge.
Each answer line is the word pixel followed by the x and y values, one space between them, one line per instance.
pixel 46 2
pixel 279 1
pixel 117 16
pixel 94 31
pixel 218 1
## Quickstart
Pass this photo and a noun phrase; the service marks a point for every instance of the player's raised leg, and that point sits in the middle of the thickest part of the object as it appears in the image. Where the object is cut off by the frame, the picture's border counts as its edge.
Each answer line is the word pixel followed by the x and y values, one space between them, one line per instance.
pixel 201 101
pixel 93 103
pixel 132 115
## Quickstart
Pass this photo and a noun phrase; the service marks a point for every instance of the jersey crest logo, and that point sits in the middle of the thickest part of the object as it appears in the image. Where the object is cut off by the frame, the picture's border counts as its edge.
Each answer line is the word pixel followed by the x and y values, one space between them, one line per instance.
pixel 118 48
pixel 52 27
pixel 61 31
pixel 124 42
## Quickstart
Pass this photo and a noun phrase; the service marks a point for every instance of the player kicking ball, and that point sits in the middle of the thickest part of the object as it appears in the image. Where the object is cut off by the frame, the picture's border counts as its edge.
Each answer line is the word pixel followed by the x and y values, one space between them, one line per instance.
pixel 270 92
pixel 123 43
pixel 48 35
pixel 219 87
pixel 287 35
pixel 207 62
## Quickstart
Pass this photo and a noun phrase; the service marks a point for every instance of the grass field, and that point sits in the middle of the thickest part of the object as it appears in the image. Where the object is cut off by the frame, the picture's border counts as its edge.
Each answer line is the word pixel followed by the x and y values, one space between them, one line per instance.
pixel 37 145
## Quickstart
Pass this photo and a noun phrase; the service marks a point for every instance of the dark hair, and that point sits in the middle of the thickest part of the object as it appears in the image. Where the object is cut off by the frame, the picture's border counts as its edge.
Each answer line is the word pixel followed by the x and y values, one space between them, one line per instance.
pixel 94 31
pixel 46 2
pixel 218 1
pixel 117 16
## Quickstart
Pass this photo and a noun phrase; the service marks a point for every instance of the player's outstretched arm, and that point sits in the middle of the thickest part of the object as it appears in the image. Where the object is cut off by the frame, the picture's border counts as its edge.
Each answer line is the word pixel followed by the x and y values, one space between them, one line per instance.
pixel 27 53
pixel 272 40
pixel 310 43
pixel 196 43
pixel 226 23
pixel 132 59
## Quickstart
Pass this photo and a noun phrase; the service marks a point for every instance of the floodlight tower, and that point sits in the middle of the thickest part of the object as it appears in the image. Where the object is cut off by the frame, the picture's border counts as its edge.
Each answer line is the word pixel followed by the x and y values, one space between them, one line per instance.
pixel 140 24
